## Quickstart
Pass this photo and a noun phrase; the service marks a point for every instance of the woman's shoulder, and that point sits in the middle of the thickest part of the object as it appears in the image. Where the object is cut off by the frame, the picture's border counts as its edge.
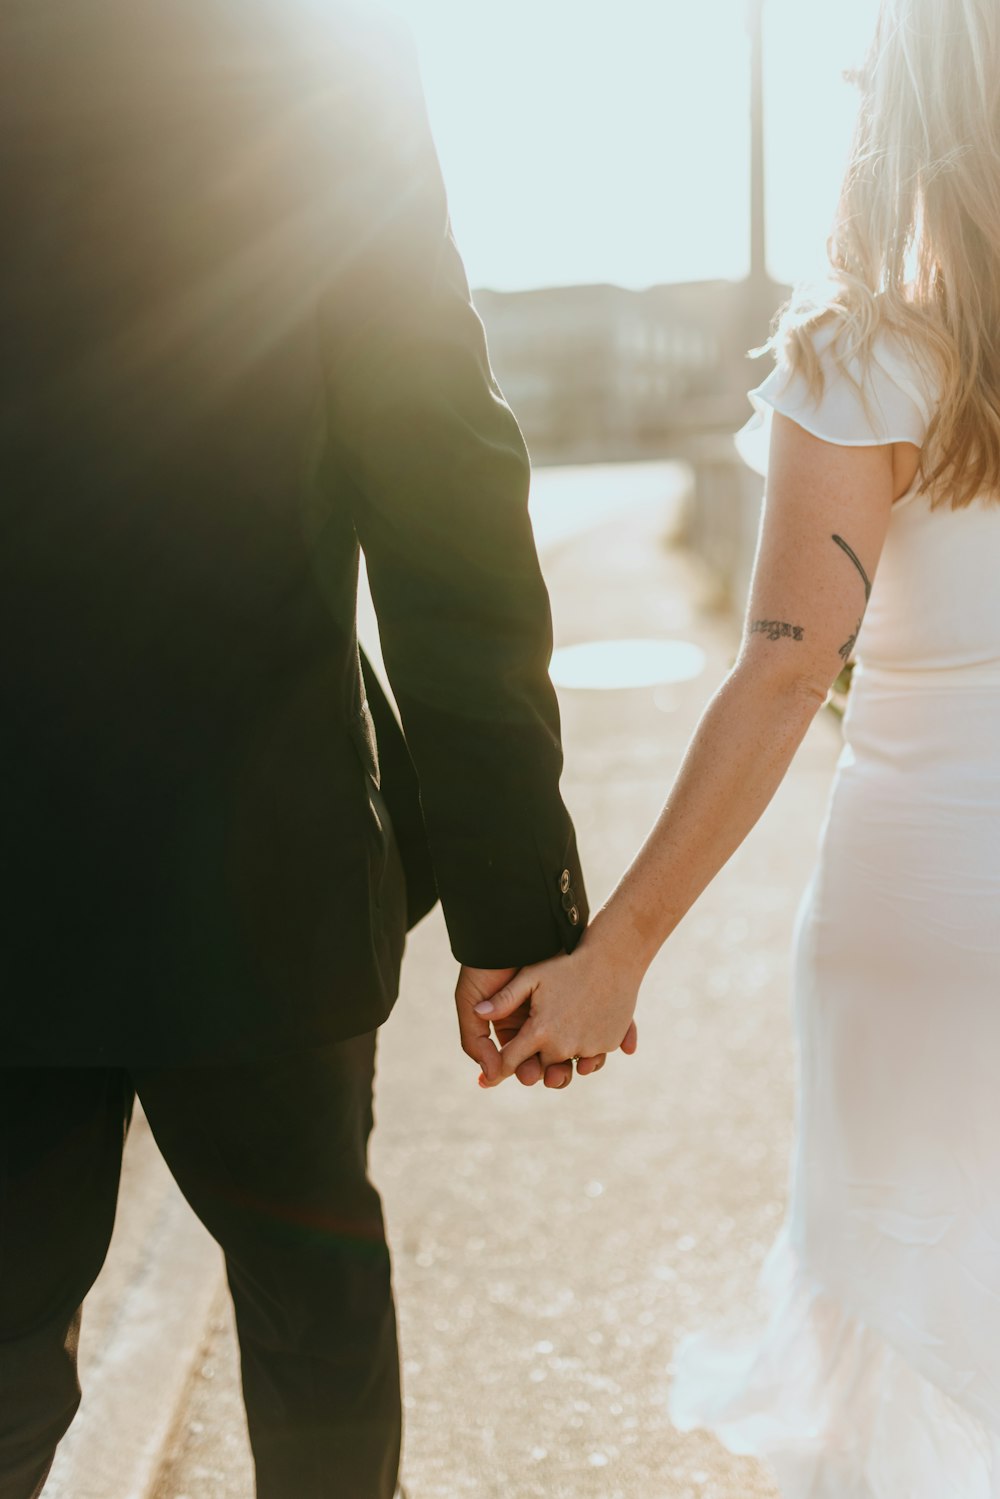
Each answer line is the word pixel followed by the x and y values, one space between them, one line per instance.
pixel 891 364
pixel 849 397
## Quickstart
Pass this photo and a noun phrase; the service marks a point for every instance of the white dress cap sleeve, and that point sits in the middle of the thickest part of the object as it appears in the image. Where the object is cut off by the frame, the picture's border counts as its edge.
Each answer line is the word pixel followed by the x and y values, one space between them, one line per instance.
pixel 898 401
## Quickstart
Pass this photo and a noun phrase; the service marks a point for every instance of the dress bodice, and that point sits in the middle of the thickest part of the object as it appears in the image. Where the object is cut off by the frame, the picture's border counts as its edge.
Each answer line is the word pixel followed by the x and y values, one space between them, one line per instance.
pixel 935 604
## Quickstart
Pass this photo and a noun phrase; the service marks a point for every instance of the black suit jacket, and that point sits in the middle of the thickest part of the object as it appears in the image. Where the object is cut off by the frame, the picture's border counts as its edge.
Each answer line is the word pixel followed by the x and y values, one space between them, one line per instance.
pixel 236 341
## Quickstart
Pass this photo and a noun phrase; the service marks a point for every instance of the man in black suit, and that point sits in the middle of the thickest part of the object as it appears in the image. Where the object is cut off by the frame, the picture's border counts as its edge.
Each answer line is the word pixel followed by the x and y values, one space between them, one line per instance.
pixel 236 341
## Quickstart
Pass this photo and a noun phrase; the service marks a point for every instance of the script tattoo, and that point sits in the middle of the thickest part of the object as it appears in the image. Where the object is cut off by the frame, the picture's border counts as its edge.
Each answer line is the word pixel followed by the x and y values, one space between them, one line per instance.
pixel 777 629
pixel 847 649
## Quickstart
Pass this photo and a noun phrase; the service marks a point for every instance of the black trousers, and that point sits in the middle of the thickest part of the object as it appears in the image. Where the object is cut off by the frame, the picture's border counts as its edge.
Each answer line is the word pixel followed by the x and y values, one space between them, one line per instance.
pixel 273 1159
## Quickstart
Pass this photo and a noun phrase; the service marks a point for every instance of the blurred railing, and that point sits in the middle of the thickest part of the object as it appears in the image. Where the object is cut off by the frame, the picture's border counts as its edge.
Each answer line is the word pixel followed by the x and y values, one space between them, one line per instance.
pixel 724 517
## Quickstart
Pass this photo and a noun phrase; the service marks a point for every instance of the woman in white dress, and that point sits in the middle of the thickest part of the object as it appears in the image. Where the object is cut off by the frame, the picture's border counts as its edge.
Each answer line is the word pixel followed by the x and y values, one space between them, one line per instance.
pixel 877 1375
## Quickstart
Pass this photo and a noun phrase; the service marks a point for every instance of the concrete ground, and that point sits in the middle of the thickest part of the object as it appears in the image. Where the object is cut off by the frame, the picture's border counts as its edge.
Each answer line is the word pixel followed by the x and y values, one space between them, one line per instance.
pixel 550 1248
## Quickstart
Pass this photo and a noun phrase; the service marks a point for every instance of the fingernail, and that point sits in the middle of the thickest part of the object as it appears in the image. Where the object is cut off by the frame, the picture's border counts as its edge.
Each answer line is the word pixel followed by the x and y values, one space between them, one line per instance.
pixel 485 1007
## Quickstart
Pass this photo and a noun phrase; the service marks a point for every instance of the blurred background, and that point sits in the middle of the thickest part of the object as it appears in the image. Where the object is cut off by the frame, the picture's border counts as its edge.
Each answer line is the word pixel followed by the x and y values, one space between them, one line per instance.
pixel 634 184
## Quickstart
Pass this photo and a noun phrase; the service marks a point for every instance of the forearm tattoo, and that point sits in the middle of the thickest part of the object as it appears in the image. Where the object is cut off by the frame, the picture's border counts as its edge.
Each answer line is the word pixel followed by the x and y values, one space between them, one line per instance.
pixel 847 649
pixel 777 629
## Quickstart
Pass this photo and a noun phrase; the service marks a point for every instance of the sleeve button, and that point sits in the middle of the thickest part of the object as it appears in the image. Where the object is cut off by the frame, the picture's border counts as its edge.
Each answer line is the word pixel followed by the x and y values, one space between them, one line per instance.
pixel 574 916
pixel 565 881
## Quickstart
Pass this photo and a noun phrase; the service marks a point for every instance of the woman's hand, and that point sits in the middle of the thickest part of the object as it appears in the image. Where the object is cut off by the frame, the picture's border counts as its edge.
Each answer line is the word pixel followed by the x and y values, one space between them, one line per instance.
pixel 478 984
pixel 577 1006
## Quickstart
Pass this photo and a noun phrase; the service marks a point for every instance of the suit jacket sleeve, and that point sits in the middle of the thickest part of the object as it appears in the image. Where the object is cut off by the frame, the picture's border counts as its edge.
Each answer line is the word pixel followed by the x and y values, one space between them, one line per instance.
pixel 439 475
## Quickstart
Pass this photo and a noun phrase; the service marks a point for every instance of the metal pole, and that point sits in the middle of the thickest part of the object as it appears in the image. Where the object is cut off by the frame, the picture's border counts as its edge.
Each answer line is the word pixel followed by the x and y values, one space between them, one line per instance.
pixel 758 217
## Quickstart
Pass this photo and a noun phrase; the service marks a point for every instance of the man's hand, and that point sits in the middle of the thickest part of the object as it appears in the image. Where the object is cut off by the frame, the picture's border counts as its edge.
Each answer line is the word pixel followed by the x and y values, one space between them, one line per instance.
pixel 575 1003
pixel 478 984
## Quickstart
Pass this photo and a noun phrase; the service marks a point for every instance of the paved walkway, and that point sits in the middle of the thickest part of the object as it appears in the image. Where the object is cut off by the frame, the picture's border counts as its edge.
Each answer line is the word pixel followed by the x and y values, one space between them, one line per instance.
pixel 549 1248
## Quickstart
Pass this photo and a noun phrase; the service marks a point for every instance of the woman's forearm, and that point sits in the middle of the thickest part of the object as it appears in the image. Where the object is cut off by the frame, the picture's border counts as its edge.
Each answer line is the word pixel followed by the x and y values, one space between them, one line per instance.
pixel 735 763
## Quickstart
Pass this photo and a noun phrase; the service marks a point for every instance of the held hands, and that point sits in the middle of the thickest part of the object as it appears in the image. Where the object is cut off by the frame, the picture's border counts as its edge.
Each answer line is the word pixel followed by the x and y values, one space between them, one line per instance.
pixel 477 986
pixel 579 1006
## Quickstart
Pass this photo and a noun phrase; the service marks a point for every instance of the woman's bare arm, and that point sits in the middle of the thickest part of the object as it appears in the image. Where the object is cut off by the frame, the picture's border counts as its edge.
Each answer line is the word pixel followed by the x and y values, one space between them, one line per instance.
pixel 825 518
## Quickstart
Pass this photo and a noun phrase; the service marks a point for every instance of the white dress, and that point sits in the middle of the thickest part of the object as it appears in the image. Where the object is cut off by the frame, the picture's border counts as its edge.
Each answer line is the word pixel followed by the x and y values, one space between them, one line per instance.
pixel 877 1372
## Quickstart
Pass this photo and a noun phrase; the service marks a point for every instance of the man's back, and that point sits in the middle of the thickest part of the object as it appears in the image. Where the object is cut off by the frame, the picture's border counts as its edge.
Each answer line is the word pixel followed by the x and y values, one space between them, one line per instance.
pixel 167 244
pixel 178 666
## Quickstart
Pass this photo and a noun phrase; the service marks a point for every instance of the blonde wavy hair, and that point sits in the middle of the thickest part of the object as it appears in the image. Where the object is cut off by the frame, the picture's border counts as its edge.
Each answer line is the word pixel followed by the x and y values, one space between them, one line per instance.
pixel 915 250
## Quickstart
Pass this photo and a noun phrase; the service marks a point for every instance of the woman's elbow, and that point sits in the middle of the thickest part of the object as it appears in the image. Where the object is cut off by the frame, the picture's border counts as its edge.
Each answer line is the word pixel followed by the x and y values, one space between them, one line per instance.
pixel 801 686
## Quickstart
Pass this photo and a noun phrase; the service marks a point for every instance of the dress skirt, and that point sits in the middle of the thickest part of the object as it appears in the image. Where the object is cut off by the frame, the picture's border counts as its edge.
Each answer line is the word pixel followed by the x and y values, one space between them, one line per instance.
pixel 875 1373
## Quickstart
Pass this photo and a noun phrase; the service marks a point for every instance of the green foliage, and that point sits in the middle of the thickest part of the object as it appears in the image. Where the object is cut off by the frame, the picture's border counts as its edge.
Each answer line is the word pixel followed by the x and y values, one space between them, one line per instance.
pixel 837 701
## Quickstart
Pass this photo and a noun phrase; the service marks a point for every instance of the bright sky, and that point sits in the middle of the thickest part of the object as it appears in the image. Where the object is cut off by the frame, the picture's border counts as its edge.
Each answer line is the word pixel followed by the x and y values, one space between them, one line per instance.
pixel 609 140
